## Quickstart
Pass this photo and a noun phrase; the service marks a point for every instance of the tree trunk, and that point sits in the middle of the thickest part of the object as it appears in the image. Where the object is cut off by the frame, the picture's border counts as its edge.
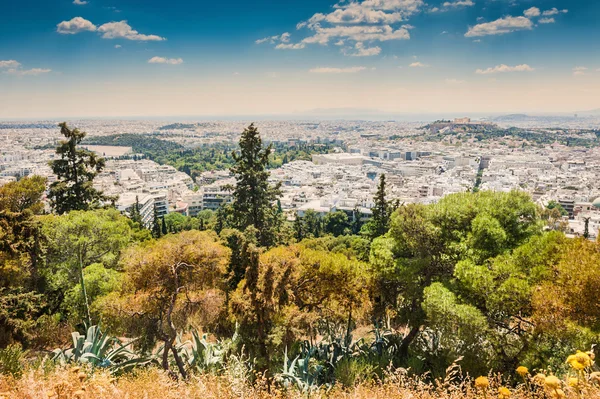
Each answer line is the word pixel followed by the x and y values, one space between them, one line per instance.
pixel 410 337
pixel 84 292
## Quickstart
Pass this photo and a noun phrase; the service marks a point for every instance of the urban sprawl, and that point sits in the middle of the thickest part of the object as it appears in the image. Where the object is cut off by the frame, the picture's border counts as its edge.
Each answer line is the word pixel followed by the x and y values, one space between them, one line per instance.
pixel 423 162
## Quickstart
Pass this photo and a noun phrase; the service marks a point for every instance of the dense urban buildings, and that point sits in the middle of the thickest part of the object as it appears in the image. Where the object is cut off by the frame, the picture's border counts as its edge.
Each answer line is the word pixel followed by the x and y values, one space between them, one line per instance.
pixel 423 162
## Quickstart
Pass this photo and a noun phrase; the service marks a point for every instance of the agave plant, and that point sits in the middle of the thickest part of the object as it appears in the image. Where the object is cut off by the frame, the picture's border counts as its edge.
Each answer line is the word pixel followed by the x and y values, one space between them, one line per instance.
pixel 305 375
pixel 100 350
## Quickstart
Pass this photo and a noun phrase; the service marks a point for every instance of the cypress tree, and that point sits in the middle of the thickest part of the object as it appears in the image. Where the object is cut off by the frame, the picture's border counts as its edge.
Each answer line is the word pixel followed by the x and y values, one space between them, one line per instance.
pixel 75 169
pixel 380 222
pixel 135 214
pixel 254 200
pixel 164 227
pixel 156 228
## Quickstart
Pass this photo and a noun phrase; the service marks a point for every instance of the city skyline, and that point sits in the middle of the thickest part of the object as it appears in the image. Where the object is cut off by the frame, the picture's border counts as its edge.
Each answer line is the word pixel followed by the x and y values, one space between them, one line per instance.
pixel 103 58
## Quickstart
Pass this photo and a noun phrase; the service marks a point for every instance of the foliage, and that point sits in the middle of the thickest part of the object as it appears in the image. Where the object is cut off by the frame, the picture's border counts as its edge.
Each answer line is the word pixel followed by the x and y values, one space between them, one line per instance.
pixel 430 247
pixel 336 223
pixel 379 223
pixel 11 360
pixel 75 170
pixel 92 237
pixel 19 310
pixel 169 283
pixel 290 292
pixel 19 232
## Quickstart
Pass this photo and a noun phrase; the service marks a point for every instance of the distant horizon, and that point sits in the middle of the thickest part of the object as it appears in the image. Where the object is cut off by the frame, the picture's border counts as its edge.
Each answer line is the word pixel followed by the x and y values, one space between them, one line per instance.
pixel 344 114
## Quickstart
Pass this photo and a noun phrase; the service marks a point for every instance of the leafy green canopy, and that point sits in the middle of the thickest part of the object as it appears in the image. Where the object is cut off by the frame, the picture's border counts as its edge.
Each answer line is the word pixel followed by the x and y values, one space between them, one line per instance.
pixel 429 265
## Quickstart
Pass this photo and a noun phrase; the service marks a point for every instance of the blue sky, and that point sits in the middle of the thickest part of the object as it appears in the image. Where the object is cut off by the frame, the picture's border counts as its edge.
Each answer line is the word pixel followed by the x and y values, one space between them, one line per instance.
pixel 147 58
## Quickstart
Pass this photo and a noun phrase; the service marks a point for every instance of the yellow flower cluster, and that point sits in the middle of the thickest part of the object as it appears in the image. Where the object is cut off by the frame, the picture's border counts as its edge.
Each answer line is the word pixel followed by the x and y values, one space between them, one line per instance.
pixel 581 360
pixel 482 383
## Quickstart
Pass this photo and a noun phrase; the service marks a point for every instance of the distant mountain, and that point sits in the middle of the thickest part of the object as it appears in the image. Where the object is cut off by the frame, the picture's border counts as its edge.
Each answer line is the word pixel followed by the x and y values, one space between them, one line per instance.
pixel 513 118
pixel 593 112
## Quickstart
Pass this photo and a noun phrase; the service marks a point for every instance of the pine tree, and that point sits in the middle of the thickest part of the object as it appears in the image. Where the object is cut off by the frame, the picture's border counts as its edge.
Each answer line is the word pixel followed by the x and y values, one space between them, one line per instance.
pixel 75 169
pixel 380 222
pixel 254 200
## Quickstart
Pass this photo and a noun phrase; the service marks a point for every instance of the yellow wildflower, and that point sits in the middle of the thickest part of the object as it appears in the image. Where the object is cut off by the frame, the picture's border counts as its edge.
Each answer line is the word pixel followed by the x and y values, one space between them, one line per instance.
pixel 482 382
pixel 552 382
pixel 522 371
pixel 592 355
pixel 573 382
pixel 583 358
pixel 504 393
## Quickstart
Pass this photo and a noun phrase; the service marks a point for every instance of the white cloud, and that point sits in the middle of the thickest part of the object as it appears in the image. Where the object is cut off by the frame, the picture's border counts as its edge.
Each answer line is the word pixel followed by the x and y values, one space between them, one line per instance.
pixel 455 82
pixel 354 22
pixel 122 30
pixel 547 20
pixel 9 64
pixel 163 60
pixel 553 11
pixel 290 46
pixel 283 38
pixel 338 70
pixel 361 51
pixel 418 65
pixel 80 2
pixel 358 33
pixel 118 46
pixel 500 26
pixel 356 13
pixel 579 71
pixel 75 25
pixel 532 12
pixel 505 68
pixel 459 3
pixel 28 72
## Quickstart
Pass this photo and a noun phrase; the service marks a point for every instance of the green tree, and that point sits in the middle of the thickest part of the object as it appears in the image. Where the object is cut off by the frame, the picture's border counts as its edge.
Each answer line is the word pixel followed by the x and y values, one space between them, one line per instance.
pixel 75 169
pixel 20 238
pixel 156 227
pixel 20 258
pixel 426 245
pixel 313 223
pixel 164 230
pixel 336 223
pixel 79 239
pixel 254 200
pixel 299 228
pixel 134 213
pixel 380 221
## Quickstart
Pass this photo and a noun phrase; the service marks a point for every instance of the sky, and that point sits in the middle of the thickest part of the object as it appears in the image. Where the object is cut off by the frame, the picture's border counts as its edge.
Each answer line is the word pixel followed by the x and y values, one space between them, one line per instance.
pixel 127 58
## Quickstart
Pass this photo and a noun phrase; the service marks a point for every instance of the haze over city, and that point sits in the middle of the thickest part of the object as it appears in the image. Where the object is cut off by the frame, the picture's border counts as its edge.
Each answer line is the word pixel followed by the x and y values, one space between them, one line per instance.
pixel 102 58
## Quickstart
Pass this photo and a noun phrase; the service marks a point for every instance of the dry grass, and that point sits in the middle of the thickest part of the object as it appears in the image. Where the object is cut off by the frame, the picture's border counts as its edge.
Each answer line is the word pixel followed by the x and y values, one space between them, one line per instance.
pixel 67 383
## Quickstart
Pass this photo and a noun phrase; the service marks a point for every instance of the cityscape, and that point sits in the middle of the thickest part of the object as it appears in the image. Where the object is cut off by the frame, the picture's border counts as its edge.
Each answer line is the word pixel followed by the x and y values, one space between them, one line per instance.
pixel 422 161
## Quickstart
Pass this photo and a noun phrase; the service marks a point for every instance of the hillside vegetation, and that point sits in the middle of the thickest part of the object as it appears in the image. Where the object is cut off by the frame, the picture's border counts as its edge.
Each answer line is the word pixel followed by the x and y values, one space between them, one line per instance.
pixel 415 302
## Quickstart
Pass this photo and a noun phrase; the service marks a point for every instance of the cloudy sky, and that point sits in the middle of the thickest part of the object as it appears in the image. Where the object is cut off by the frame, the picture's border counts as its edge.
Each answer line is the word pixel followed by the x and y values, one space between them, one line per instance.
pixel 95 58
